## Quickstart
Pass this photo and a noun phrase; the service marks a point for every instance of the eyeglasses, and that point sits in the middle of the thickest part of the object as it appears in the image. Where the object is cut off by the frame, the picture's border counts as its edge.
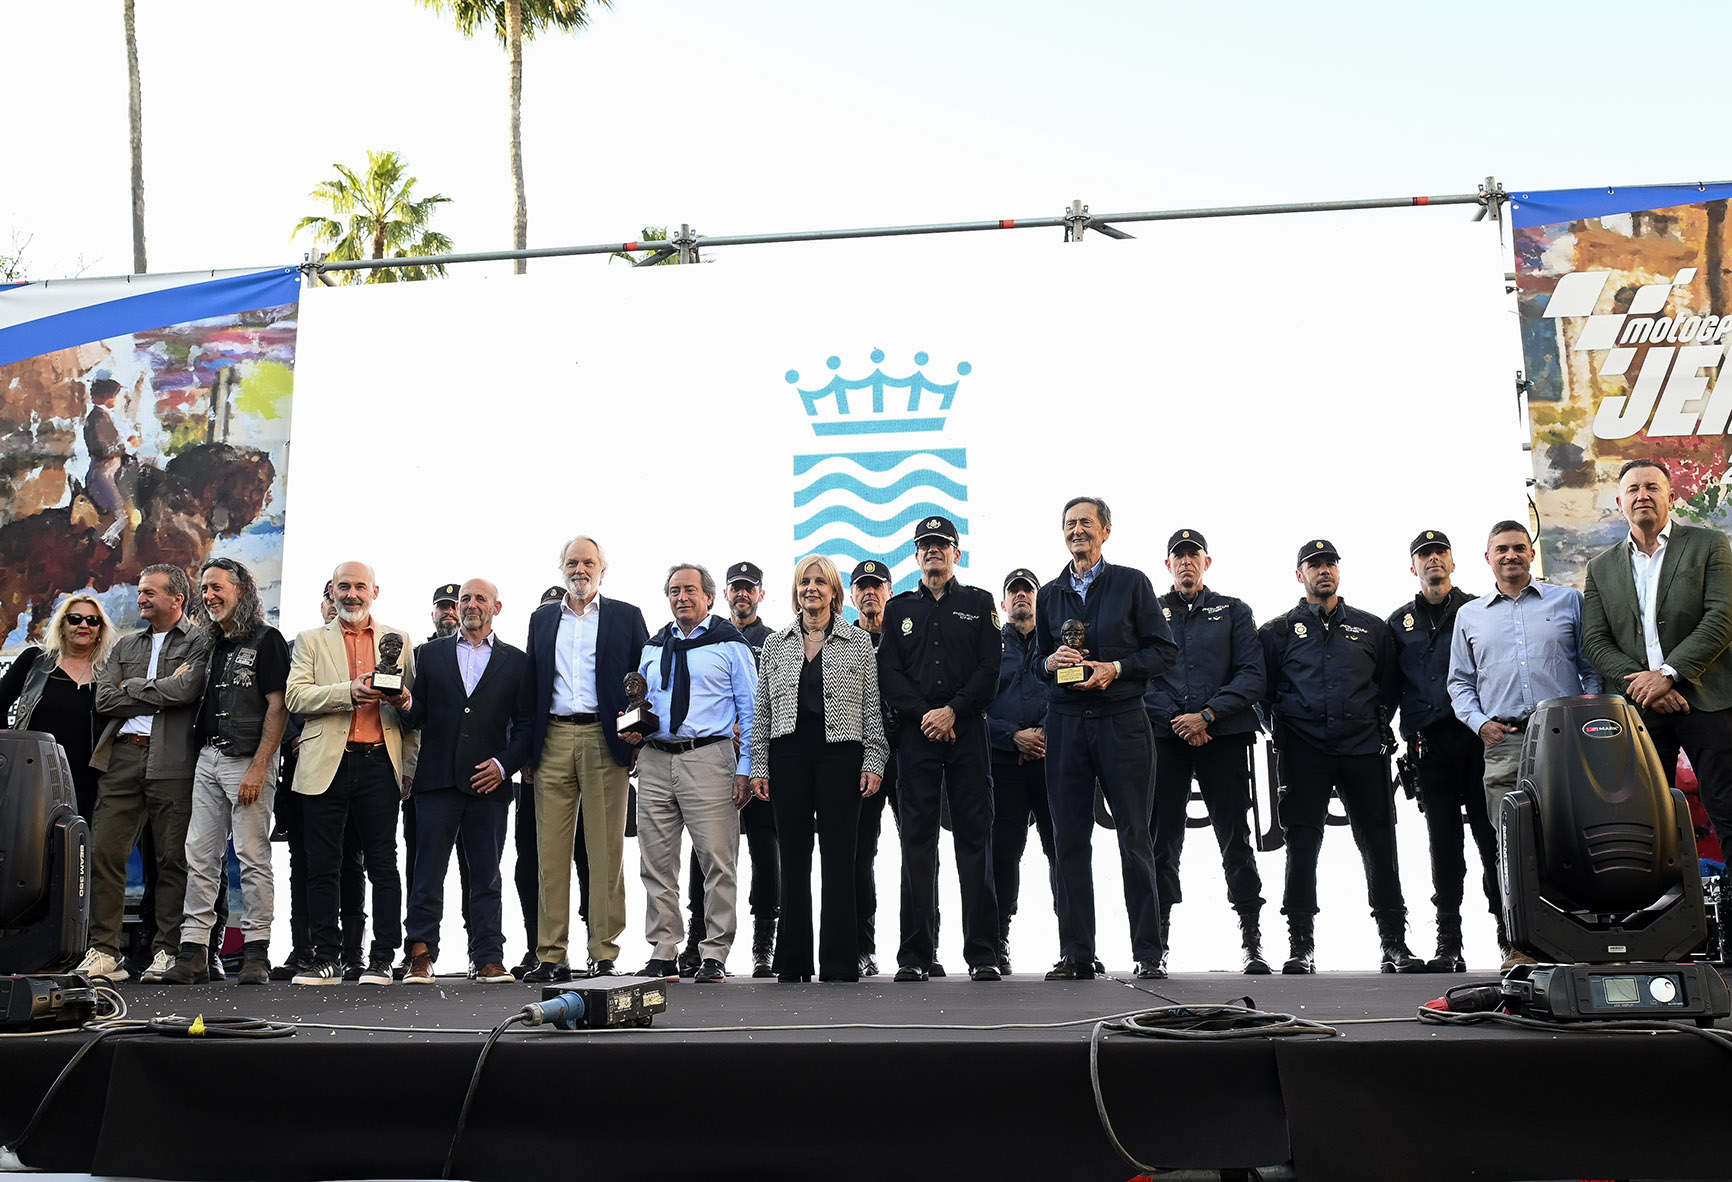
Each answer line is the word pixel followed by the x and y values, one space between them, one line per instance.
pixel 73 620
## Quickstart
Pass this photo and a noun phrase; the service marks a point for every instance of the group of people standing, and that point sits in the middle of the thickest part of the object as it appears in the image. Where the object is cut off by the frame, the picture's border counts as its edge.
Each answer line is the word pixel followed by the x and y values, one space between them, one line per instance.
pixel 1091 686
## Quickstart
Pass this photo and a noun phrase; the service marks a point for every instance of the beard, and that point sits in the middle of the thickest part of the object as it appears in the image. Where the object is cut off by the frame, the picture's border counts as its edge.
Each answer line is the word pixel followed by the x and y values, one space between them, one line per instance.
pixel 356 615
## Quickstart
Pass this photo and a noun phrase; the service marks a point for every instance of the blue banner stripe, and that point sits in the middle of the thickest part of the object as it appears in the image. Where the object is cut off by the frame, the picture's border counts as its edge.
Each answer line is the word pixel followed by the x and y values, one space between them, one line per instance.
pixel 1547 207
pixel 154 309
pixel 883 461
pixel 876 527
pixel 936 481
pixel 882 427
pixel 836 548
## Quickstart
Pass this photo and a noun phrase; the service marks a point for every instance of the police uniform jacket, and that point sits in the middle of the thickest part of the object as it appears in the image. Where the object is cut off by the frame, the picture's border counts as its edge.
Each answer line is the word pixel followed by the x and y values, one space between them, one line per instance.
pixel 1332 678
pixel 939 652
pixel 1422 650
pixel 1219 665
pixel 1124 622
pixel 1021 699
pixel 756 633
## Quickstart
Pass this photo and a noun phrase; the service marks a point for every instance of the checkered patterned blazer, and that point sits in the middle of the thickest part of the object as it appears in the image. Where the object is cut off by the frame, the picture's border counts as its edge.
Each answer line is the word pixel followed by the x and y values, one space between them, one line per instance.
pixel 851 712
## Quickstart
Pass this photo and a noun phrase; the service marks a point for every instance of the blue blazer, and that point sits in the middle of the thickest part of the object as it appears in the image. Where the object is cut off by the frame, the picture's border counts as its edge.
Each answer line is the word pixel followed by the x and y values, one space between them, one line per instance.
pixel 460 730
pixel 620 637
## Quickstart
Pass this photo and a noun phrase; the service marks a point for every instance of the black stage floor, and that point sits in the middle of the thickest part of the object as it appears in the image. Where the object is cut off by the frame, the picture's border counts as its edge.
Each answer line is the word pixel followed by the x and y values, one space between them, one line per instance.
pixel 927 1091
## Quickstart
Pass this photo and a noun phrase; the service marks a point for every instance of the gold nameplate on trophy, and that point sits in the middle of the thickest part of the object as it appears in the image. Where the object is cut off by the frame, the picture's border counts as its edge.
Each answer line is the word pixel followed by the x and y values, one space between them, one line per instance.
pixel 1071 675
pixel 1072 634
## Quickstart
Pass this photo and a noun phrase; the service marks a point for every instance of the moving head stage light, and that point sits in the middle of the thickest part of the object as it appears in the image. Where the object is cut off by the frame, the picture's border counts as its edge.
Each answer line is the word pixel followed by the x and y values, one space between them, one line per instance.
pixel 44 857
pixel 1599 870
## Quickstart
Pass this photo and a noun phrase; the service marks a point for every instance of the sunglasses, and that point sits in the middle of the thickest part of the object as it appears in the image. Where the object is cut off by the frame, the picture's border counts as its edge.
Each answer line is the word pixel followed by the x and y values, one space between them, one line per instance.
pixel 73 620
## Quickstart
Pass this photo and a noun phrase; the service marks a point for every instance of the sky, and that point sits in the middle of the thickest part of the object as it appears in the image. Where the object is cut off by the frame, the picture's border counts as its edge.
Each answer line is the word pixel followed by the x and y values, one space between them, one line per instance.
pixel 785 115
pixel 771 115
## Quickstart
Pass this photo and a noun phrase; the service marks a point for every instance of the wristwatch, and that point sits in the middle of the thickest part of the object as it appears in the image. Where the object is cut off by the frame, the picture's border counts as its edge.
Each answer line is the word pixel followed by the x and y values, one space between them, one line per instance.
pixel 1208 716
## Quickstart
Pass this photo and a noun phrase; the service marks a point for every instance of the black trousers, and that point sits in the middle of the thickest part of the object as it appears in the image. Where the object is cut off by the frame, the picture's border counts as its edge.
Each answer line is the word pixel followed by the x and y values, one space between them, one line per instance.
pixel 815 788
pixel 1018 795
pixel 475 827
pixel 351 880
pixel 364 787
pixel 1118 751
pixel 1223 775
pixel 1451 768
pixel 758 827
pixel 1706 737
pixel 1362 781
pixel 526 877
pixel 411 851
pixel 961 771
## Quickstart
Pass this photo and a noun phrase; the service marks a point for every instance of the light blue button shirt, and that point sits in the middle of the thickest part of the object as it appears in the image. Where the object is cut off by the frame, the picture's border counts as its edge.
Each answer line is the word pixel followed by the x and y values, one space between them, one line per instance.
pixel 724 691
pixel 1509 655
pixel 1080 583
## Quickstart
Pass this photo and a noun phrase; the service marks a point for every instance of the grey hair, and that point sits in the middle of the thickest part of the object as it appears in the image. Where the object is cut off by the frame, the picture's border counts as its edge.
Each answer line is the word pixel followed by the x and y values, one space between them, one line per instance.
pixel 249 614
pixel 705 579
pixel 599 552
pixel 178 582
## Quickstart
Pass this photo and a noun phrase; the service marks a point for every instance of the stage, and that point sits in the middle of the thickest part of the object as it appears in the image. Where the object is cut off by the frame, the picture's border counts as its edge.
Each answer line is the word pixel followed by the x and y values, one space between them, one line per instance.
pixel 708 1092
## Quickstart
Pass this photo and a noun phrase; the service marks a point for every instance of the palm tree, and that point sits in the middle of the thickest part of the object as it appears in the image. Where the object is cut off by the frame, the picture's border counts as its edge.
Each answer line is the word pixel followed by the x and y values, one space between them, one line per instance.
pixel 135 117
pixel 384 220
pixel 514 22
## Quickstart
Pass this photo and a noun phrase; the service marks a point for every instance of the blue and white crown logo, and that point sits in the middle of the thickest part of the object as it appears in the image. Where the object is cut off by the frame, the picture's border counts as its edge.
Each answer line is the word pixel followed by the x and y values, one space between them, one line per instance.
pixel 915 403
pixel 864 506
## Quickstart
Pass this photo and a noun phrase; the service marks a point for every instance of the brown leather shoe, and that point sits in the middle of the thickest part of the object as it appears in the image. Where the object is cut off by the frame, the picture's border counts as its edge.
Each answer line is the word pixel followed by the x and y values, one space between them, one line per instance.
pixel 420 968
pixel 494 973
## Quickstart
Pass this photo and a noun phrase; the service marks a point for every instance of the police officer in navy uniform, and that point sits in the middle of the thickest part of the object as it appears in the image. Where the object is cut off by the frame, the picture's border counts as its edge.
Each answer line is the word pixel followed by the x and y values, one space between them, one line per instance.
pixel 1097 730
pixel 1447 757
pixel 1202 712
pixel 745 588
pixel 1017 722
pixel 1333 677
pixel 938 667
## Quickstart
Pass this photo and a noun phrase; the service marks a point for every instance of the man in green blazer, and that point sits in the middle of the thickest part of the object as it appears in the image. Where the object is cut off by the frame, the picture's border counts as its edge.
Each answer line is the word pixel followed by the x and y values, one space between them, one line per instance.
pixel 1658 622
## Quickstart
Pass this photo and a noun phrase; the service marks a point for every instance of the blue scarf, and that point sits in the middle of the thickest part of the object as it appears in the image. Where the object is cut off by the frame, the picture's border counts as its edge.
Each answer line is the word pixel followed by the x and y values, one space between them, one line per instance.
pixel 676 674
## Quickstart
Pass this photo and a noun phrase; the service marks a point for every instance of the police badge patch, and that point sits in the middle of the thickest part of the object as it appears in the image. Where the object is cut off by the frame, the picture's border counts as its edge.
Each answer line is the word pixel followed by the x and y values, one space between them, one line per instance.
pixel 1167 612
pixel 1300 630
pixel 907 626
pixel 1407 621
pixel 995 622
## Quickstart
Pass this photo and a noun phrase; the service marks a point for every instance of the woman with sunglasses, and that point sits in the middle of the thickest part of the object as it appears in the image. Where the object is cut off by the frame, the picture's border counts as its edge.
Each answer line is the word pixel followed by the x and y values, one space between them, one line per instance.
pixel 49 688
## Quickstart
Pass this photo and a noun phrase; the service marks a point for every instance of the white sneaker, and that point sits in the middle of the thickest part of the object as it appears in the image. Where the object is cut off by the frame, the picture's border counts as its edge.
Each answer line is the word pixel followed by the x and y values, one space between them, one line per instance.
pixel 97 963
pixel 159 964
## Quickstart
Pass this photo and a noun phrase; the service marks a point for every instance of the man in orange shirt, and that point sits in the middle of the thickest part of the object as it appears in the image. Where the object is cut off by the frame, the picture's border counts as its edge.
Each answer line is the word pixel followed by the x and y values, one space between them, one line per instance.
pixel 354 759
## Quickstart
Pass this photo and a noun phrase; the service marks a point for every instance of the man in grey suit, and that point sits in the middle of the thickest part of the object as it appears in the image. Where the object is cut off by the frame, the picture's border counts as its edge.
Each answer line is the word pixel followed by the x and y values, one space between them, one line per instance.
pixel 1658 623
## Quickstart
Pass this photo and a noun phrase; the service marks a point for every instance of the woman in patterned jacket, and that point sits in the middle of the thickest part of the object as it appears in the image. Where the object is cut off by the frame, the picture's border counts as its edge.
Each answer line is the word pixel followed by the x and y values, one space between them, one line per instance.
pixel 819 735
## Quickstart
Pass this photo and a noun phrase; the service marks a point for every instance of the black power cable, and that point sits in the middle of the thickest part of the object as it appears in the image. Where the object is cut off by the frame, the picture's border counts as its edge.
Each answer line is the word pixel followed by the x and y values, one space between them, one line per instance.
pixel 474 1086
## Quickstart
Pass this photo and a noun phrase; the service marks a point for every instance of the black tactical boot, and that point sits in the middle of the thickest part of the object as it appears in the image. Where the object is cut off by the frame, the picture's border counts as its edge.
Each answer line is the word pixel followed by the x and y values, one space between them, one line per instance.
pixel 690 957
pixel 1448 958
pixel 1302 950
pixel 1251 939
pixel 1397 956
pixel 763 947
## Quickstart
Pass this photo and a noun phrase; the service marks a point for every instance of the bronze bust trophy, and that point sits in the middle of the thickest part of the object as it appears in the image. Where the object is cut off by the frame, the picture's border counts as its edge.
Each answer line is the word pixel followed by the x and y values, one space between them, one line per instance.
pixel 638 718
pixel 388 674
pixel 1072 633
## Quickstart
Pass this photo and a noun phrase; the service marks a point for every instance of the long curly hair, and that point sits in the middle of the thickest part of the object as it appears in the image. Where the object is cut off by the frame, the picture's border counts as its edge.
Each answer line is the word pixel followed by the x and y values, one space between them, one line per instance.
pixel 249 614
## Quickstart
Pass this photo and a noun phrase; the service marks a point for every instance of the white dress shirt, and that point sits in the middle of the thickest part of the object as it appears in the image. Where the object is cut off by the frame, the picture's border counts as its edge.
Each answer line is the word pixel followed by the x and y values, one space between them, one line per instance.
pixel 1646 571
pixel 574 658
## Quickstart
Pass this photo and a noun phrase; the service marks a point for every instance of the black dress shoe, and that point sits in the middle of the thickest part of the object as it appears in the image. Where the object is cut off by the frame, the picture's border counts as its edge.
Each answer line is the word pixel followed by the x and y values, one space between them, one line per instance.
pixel 710 972
pixel 935 969
pixel 911 972
pixel 547 973
pixel 667 970
pixel 606 968
pixel 1072 970
pixel 984 972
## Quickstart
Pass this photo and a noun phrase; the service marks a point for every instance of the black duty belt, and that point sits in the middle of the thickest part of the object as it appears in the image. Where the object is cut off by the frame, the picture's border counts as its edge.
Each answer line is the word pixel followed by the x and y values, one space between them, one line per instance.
pixel 680 746
pixel 580 719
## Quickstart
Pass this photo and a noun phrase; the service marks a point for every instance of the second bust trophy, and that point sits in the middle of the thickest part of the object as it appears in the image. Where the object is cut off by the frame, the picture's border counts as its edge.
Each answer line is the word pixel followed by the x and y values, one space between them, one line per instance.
pixel 638 717
pixel 388 674
pixel 1072 633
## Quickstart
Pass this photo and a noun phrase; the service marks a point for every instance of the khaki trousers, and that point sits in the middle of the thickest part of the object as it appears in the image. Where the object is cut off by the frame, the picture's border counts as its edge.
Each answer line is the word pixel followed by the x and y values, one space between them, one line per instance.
pixel 577 773
pixel 692 791
pixel 1502 761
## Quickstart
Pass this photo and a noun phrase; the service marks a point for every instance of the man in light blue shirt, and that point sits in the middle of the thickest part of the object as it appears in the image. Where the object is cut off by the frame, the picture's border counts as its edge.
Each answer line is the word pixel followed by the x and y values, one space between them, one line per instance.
pixel 1511 651
pixel 702 683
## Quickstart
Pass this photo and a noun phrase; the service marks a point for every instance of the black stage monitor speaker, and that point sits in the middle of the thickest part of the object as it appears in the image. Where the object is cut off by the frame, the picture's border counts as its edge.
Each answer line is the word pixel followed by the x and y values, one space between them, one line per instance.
pixel 44 857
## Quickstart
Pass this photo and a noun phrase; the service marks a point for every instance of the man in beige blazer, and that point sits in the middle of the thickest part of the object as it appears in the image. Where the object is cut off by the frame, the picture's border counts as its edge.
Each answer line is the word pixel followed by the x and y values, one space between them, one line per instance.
pixel 354 761
pixel 1657 622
